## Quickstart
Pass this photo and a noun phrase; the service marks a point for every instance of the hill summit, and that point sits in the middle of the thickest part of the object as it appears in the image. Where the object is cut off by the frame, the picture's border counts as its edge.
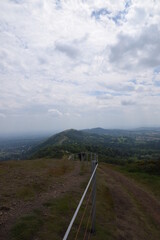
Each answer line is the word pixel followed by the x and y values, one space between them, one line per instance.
pixel 111 145
pixel 70 141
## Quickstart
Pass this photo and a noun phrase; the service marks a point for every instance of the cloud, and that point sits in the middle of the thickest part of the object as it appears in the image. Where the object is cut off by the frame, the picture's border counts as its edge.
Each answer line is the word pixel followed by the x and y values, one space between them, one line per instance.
pixel 63 58
pixel 2 115
pixel 69 50
pixel 128 102
pixel 55 112
pixel 134 52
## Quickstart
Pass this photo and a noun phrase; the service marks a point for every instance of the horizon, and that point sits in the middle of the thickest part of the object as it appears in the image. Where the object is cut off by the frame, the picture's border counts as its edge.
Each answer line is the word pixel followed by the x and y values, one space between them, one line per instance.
pixel 37 135
pixel 78 64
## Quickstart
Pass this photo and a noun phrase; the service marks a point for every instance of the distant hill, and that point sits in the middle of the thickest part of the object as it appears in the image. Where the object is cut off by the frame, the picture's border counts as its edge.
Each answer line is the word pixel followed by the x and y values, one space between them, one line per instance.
pixel 111 132
pixel 122 132
pixel 71 141
pixel 148 129
pixel 70 136
pixel 68 141
pixel 111 145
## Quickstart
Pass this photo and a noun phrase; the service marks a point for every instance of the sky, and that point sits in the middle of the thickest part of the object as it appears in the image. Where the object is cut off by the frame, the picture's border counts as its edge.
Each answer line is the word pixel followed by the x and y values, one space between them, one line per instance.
pixel 79 64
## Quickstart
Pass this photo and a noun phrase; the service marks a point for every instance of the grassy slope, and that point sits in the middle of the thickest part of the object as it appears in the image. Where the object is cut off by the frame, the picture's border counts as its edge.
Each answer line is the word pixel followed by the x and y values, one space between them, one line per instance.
pixel 50 220
pixel 24 180
pixel 150 182
pixel 31 179
pixel 136 205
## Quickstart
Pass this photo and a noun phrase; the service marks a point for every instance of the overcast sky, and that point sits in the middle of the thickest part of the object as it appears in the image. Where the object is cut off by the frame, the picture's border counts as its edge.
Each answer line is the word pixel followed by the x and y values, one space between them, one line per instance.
pixel 79 64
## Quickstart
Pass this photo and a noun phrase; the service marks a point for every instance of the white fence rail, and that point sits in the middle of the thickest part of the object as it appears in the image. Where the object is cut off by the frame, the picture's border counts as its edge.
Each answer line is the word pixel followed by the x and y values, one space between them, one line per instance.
pixel 91 180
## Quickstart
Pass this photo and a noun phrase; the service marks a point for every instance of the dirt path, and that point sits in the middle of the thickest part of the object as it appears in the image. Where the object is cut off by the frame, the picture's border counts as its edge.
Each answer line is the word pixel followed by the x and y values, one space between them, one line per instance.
pixel 69 182
pixel 137 211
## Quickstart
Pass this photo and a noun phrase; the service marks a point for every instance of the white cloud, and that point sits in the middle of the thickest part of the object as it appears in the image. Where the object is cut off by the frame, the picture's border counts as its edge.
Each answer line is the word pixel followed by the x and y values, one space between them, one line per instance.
pixel 55 112
pixel 80 57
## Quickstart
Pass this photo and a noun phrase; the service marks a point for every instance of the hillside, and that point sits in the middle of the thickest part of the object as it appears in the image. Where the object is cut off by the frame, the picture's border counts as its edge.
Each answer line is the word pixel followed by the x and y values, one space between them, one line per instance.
pixel 150 132
pixel 71 141
pixel 111 132
pixel 143 143
pixel 39 197
pixel 31 190
pixel 115 147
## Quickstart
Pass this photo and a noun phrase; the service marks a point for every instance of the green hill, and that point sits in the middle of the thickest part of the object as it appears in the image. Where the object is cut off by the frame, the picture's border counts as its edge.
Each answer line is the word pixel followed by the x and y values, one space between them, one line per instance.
pixel 111 148
pixel 69 141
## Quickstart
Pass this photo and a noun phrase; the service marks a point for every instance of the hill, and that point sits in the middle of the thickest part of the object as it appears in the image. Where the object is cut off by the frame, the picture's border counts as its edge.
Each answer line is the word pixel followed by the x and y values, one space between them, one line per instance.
pixel 116 147
pixel 69 141
pixel 124 132
pixel 112 132
pixel 39 198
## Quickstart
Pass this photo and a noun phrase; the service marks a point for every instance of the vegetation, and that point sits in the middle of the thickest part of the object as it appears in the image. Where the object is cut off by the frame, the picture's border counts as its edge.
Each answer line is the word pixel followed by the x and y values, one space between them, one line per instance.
pixel 144 173
pixel 51 221
pixel 27 226
pixel 36 185
pixel 17 148
pixel 30 178
pixel 121 148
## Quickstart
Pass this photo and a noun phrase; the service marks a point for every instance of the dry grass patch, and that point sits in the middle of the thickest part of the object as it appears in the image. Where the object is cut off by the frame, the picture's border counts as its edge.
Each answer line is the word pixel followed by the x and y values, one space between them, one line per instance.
pixel 25 179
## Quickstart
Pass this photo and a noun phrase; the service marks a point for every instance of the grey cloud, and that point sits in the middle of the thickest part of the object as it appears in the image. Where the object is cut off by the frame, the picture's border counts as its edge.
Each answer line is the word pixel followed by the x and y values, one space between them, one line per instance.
pixel 69 50
pixel 105 97
pixel 2 115
pixel 30 109
pixel 42 60
pixel 128 102
pixel 140 15
pixel 122 87
pixel 17 1
pixel 139 51
pixel 81 40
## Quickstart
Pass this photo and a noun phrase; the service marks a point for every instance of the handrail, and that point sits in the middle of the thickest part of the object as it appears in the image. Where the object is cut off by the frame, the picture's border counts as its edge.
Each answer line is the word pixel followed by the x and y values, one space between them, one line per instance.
pixel 79 205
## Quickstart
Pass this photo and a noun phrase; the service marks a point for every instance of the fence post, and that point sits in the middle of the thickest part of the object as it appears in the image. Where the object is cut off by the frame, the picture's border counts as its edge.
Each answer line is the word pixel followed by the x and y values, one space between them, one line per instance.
pixel 80 203
pixel 93 214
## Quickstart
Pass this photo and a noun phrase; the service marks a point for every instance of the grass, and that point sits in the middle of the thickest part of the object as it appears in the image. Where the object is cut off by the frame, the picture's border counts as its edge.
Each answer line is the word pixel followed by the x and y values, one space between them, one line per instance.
pixel 145 220
pixel 57 214
pixel 51 221
pixel 105 216
pixel 149 181
pixel 60 213
pixel 27 226
pixel 84 167
pixel 29 191
pixel 24 180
